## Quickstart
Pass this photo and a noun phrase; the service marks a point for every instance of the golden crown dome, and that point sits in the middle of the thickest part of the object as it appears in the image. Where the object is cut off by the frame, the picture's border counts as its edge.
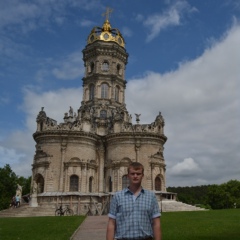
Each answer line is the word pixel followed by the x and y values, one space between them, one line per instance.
pixel 106 33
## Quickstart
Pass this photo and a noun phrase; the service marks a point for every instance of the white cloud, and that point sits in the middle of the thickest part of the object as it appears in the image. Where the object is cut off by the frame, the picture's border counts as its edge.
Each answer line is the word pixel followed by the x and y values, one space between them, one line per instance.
pixel 17 150
pixel 27 16
pixel 171 17
pixel 9 155
pixel 126 32
pixel 55 104
pixel 86 23
pixel 70 67
pixel 188 167
pixel 200 102
pixel 19 147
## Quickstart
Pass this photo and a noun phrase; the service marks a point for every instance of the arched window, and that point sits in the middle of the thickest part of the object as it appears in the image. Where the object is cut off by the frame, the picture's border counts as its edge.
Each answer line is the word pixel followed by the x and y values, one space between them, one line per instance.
pixel 91 92
pixel 103 114
pixel 110 184
pixel 91 67
pixel 125 181
pixel 157 184
pixel 104 90
pixel 90 184
pixel 117 90
pixel 74 183
pixel 41 126
pixel 119 69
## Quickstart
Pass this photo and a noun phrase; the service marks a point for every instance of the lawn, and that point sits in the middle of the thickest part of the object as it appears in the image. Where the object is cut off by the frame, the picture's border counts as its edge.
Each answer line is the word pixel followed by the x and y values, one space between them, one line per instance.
pixel 201 225
pixel 39 228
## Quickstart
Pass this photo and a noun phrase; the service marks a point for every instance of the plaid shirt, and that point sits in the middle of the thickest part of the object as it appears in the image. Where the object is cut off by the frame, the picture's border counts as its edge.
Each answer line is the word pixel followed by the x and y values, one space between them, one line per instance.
pixel 134 214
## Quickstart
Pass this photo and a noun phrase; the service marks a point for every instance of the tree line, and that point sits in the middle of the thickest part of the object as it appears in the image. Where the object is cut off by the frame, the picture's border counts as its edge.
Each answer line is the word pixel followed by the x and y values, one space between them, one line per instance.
pixel 222 196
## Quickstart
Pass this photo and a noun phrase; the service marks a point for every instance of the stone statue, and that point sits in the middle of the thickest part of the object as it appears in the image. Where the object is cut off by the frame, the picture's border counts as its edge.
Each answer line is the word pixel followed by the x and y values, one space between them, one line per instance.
pixel 130 118
pixel 71 111
pixel 18 195
pixel 34 187
pixel 33 201
pixel 19 190
pixel 137 117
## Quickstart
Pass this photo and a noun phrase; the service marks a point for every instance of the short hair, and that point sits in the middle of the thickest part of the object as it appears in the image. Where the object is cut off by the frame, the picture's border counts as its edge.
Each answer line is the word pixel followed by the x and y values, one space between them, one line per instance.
pixel 136 166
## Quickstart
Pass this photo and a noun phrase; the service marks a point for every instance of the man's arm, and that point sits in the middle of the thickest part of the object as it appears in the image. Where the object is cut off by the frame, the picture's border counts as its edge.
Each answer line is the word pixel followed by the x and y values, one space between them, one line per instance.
pixel 111 229
pixel 157 232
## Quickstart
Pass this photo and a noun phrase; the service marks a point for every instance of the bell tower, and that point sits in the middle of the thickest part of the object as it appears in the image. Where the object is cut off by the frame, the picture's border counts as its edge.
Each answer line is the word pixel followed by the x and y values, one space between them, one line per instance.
pixel 104 83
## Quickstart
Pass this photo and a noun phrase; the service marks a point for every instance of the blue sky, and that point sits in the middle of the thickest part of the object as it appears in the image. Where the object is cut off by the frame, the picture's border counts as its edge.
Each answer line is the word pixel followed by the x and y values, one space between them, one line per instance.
pixel 184 61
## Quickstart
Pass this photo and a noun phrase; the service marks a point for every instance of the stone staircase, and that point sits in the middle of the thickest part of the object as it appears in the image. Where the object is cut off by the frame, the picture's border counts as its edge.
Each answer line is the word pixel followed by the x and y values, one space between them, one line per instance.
pixel 26 211
pixel 174 206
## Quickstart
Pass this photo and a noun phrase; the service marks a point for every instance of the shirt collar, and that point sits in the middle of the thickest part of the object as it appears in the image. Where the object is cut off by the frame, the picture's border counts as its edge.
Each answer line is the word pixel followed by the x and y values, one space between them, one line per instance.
pixel 126 190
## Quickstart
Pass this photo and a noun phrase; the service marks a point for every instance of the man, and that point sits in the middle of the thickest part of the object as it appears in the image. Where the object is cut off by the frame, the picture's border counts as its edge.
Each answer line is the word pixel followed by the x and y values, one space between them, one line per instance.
pixel 134 212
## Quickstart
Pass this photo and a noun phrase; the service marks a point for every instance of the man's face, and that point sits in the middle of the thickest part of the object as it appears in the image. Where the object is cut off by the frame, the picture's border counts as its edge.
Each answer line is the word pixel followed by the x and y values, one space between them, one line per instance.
pixel 135 175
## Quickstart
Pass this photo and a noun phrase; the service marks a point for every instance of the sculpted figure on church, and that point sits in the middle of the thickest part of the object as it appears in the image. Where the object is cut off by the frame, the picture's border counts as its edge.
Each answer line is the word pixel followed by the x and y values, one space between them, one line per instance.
pixel 34 187
pixel 130 118
pixel 19 190
pixel 137 117
pixel 71 111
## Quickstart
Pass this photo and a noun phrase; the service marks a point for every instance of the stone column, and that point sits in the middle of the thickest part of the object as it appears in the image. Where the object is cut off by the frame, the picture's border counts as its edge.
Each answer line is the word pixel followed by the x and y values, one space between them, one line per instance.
pixel 86 179
pixel 65 178
pixel 101 154
pixel 63 151
pixel 45 177
pixel 82 174
pixel 118 180
pixel 152 177
pixel 137 149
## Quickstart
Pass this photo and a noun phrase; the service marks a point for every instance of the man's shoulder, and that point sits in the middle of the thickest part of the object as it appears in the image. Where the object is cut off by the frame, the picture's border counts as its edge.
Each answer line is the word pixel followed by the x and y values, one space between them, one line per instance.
pixel 149 193
pixel 121 192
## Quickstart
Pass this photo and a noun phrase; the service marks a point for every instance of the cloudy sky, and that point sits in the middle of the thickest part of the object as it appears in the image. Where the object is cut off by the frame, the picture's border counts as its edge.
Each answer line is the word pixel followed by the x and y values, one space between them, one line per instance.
pixel 184 61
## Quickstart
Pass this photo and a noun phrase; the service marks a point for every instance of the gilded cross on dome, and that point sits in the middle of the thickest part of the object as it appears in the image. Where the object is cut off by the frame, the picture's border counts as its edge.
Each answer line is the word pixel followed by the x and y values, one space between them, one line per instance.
pixel 106 33
pixel 107 13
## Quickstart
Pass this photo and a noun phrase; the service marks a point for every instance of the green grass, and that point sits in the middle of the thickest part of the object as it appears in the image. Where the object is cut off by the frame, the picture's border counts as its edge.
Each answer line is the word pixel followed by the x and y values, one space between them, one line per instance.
pixel 39 228
pixel 200 225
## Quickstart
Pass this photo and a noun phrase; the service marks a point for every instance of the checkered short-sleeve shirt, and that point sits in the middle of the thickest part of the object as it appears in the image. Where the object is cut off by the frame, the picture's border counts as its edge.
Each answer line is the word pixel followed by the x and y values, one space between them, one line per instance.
pixel 134 214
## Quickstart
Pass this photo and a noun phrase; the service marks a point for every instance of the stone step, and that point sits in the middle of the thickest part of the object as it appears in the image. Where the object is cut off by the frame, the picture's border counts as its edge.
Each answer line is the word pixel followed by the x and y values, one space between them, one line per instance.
pixel 174 206
pixel 26 211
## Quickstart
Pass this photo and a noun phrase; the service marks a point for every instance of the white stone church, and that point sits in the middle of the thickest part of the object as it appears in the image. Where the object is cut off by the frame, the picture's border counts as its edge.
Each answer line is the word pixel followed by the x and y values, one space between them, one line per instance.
pixel 83 160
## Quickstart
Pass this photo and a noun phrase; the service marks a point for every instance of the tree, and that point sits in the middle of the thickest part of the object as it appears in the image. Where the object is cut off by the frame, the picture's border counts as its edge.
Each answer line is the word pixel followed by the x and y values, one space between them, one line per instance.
pixel 224 195
pixel 217 197
pixel 8 185
pixel 191 195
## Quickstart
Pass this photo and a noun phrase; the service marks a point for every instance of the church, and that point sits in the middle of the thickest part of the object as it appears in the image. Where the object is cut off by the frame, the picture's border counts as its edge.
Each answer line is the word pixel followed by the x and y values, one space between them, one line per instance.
pixel 83 160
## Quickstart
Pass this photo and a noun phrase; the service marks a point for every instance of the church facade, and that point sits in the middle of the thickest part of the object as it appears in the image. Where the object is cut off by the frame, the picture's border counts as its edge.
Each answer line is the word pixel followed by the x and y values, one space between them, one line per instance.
pixel 83 160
